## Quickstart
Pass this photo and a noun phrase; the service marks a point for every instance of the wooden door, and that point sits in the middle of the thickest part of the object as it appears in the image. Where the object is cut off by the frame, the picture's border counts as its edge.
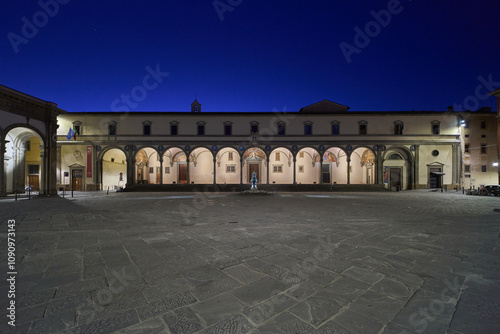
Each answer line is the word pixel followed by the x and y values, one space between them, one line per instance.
pixel 77 179
pixel 33 181
pixel 326 173
pixel 395 176
pixel 182 173
pixel 253 168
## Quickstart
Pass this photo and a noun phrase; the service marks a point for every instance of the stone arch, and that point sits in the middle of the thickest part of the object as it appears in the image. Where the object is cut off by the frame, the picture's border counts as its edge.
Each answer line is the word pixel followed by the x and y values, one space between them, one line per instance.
pixel 281 166
pixel 362 166
pixel 254 160
pixel 335 166
pixel 398 173
pixel 147 166
pixel 308 166
pixel 24 149
pixel 114 168
pixel 227 165
pixel 201 166
pixel 174 166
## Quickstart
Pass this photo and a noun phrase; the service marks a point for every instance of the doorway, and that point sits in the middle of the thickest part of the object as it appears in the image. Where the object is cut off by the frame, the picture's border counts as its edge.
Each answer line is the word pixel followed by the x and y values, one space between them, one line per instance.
pixel 435 178
pixel 77 179
pixel 182 173
pixel 395 179
pixel 253 168
pixel 33 181
pixel 326 173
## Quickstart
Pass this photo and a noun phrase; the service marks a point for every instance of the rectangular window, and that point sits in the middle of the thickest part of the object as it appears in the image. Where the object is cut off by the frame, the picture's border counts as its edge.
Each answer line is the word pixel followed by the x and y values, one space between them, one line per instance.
pixel 230 156
pixel 398 129
pixel 277 156
pixel 230 168
pixel 254 128
pixel 33 169
pixel 228 129
pixel 483 148
pixel 27 146
pixel 173 129
pixel 77 129
pixel 335 129
pixel 467 148
pixel 301 154
pixel 167 170
pixel 308 129
pixel 281 129
pixel 362 129
pixel 435 129
pixel 147 129
pixel 483 168
pixel 301 169
pixel 466 124
pixel 483 124
pixel 483 136
pixel 277 168
pixel 201 130
pixel 112 129
pixel 467 168
pixel 466 136
pixel 151 170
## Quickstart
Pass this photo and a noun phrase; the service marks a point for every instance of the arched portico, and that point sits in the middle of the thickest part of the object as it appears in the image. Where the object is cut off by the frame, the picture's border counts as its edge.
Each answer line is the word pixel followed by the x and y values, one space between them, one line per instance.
pixel 147 166
pixel 228 166
pixel 362 166
pixel 398 166
pixel 24 160
pixel 114 169
pixel 201 166
pixel 307 169
pixel 254 160
pixel 175 166
pixel 334 170
pixel 281 166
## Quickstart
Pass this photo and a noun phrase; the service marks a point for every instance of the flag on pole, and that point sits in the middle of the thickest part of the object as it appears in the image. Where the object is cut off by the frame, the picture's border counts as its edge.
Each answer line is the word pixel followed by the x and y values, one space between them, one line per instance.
pixel 70 134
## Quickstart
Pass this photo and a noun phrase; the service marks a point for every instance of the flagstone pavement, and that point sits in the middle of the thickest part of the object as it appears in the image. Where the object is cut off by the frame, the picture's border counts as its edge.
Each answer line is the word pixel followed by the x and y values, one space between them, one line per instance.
pixel 208 262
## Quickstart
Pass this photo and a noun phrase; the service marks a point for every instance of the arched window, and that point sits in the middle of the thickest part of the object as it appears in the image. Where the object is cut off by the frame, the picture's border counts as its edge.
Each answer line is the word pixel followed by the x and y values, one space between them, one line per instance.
pixel 395 156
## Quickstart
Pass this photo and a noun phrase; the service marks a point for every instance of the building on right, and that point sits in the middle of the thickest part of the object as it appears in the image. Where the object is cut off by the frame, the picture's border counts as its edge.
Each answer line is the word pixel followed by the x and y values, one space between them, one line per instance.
pixel 496 93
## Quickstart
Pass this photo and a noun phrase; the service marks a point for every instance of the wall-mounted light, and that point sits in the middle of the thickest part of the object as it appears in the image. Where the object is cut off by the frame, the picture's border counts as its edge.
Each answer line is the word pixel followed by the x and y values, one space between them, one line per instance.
pixel 495 164
pixel 462 123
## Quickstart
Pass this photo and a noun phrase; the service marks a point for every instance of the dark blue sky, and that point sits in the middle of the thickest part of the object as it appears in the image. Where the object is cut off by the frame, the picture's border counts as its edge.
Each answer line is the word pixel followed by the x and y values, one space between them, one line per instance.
pixel 263 55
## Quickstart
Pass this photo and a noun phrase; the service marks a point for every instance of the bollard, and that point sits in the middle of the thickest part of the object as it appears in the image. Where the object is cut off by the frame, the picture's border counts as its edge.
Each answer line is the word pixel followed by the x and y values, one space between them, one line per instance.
pixel 107 192
pixel 29 193
pixel 463 190
pixel 71 192
pixel 16 195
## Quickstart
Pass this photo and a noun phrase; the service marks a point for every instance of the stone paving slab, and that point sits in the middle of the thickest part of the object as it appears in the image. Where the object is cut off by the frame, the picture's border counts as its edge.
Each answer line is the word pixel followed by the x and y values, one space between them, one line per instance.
pixel 407 262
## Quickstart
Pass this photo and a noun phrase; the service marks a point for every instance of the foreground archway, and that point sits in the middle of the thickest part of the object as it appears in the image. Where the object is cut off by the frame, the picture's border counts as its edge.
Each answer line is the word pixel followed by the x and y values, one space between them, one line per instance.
pixel 147 166
pixel 362 166
pixel 201 166
pixel 114 169
pixel 228 166
pixel 307 170
pixel 281 166
pixel 23 161
pixel 334 166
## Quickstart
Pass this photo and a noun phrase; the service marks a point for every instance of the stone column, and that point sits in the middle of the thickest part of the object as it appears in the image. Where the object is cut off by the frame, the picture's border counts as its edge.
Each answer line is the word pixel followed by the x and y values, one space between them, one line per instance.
pixel 455 165
pixel 416 165
pixel 43 171
pixel 215 169
pixel 188 177
pixel 349 170
pixel 3 179
pixel 294 170
pixel 58 167
pixel 379 165
pixel 130 169
pixel 241 171
pixel 267 163
pixel 161 169
pixel 320 171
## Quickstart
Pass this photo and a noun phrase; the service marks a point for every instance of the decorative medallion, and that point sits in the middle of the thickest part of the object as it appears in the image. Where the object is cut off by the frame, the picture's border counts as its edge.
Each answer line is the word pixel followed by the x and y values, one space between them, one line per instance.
pixel 241 148
pixel 321 148
pixel 375 148
pixel 214 148
pixel 160 148
pixel 348 148
pixel 295 148
pixel 268 148
pixel 187 148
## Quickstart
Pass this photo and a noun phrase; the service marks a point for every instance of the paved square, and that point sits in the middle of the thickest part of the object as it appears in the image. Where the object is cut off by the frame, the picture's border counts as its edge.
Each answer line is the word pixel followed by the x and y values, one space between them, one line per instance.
pixel 408 262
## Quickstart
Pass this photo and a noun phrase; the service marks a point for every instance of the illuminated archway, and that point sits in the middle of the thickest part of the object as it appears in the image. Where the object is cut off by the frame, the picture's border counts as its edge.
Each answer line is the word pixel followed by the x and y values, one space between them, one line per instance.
pixel 114 169
pixel 147 166
pixel 201 166
pixel 281 166
pixel 228 166
pixel 174 166
pixel 307 166
pixel 334 166
pixel 362 166
pixel 23 160
pixel 254 160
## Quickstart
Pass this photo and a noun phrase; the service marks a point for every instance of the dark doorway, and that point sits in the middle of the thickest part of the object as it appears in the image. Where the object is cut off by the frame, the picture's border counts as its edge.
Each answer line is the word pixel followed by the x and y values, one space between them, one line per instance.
pixel 251 169
pixel 77 179
pixel 183 173
pixel 33 181
pixel 395 179
pixel 326 173
pixel 435 176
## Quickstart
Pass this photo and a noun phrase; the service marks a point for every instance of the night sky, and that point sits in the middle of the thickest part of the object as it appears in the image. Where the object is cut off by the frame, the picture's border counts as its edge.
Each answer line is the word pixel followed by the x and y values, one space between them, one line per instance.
pixel 252 55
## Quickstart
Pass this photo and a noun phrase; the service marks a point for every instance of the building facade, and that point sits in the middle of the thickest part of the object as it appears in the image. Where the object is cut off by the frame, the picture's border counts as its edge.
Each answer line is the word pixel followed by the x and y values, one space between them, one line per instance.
pixel 323 143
